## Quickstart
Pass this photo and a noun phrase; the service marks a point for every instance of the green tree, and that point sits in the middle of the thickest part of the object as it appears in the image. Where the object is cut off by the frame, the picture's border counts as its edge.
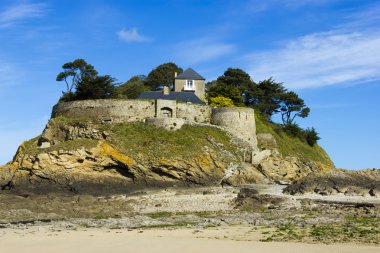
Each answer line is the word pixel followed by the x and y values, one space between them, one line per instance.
pixel 239 78
pixel 292 106
pixel 98 87
pixel 162 75
pixel 268 97
pixel 227 91
pixel 74 72
pixel 132 88
pixel 236 77
pixel 312 136
pixel 221 102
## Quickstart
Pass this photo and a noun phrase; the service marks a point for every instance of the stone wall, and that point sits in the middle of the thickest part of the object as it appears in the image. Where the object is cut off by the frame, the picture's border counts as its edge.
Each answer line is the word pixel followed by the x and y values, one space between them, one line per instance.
pixel 166 108
pixel 239 121
pixel 194 112
pixel 112 110
pixel 171 124
pixel 124 110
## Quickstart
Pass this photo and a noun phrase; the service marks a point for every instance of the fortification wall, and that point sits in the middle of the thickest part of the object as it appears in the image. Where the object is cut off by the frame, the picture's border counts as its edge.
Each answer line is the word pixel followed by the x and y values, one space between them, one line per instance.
pixel 239 121
pixel 194 112
pixel 124 110
pixel 171 124
pixel 114 110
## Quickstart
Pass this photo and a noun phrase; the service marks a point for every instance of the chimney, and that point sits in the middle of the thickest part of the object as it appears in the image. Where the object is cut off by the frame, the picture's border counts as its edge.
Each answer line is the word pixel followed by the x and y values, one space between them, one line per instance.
pixel 175 74
pixel 166 90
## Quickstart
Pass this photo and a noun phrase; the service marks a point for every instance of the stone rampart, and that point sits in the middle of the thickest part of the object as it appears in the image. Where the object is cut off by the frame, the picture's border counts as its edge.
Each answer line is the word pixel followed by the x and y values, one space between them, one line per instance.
pixel 129 110
pixel 171 124
pixel 194 112
pixel 113 110
pixel 239 121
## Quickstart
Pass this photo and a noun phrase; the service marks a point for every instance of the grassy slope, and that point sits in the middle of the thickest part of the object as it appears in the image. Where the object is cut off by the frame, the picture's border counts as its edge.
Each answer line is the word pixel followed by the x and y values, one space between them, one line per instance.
pixel 293 146
pixel 138 138
pixel 146 140
pixel 187 142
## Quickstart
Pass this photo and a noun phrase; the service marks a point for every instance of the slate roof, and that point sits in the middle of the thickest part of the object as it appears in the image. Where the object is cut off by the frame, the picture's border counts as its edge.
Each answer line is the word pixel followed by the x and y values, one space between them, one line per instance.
pixel 190 74
pixel 179 96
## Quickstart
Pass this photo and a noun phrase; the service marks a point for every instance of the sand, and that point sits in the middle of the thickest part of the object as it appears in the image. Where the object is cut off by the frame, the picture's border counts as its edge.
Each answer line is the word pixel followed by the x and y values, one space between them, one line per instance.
pixel 184 240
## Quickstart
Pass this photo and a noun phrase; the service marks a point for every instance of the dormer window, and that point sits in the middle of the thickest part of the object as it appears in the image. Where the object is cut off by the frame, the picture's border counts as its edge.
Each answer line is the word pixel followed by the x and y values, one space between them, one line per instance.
pixel 189 85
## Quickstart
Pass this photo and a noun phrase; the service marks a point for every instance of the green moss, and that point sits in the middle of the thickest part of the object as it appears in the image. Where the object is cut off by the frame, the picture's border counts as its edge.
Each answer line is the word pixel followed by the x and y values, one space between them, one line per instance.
pixel 292 146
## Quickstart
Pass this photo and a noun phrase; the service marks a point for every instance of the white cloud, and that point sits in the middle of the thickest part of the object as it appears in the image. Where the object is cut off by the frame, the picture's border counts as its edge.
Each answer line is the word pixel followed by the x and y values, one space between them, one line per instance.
pixel 202 50
pixel 20 12
pixel 347 54
pixel 321 59
pixel 131 35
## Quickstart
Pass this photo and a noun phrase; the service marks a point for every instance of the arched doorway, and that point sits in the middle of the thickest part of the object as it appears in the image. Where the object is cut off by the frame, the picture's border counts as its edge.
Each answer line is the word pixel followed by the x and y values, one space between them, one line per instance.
pixel 166 112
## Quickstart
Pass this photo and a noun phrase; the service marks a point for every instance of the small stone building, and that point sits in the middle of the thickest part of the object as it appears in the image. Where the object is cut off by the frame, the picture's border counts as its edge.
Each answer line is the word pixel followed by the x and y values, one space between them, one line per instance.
pixel 189 87
pixel 190 81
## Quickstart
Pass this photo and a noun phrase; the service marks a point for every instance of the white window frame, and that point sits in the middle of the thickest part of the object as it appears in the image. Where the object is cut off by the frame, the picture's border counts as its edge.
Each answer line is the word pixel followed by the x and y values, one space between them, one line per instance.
pixel 189 87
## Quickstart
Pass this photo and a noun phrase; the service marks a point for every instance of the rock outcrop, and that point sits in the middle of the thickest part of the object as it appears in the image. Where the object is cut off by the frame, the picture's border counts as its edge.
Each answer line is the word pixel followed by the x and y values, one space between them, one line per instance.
pixel 81 157
pixel 349 183
pixel 284 169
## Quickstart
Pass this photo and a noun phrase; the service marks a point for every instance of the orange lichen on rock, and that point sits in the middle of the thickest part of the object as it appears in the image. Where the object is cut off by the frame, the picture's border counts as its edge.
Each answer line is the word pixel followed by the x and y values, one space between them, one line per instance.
pixel 107 150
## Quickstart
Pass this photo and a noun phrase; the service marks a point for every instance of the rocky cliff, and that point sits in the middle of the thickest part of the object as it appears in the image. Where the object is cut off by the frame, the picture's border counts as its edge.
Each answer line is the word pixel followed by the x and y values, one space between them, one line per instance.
pixel 75 155
pixel 80 156
pixel 284 158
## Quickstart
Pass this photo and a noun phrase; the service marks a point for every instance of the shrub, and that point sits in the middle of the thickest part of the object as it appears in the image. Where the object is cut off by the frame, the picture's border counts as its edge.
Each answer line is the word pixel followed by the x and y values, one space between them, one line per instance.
pixel 293 129
pixel 220 101
pixel 312 136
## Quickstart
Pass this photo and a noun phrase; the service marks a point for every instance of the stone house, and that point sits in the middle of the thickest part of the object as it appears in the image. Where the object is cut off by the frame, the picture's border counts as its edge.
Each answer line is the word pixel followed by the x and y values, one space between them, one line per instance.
pixel 189 87
pixel 190 81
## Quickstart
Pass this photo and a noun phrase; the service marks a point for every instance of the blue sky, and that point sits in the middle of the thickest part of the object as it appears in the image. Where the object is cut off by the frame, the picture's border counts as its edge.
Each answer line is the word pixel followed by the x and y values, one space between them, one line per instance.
pixel 328 51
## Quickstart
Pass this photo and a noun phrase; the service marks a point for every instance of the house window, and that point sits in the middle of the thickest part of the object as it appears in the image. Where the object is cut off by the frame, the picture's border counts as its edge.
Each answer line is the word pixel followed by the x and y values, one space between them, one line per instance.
pixel 189 85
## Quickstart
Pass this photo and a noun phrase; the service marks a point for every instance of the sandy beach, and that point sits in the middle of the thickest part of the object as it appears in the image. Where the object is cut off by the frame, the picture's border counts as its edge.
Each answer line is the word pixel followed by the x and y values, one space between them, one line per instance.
pixel 184 240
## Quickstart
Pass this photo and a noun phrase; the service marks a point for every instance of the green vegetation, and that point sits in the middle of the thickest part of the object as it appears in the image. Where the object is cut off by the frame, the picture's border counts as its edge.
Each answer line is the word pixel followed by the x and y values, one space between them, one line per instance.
pixel 170 225
pixel 187 142
pixel 290 145
pixel 139 138
pixel 221 102
pixel 234 88
pixel 158 215
pixel 83 82
pixel 131 89
pixel 355 229
pixel 268 97
pixel 223 90
pixel 162 75
pixel 102 217
pixel 31 146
